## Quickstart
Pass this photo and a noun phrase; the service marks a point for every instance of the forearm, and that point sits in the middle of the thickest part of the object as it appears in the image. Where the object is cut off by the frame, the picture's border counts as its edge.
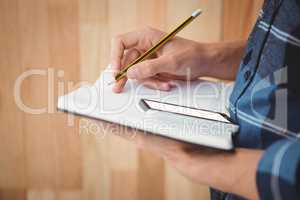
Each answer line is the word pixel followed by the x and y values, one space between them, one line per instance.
pixel 226 57
pixel 229 172
pixel 240 170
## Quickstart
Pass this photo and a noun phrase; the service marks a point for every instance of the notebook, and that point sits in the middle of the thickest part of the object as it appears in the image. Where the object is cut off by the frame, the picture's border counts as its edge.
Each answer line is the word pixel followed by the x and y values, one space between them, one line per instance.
pixel 198 102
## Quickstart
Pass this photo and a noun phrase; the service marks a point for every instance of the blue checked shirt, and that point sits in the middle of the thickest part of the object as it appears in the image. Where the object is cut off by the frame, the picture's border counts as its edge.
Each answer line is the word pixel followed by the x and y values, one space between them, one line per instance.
pixel 265 101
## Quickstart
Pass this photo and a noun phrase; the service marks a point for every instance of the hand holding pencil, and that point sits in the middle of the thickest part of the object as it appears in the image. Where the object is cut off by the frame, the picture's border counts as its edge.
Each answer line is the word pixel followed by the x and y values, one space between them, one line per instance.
pixel 155 58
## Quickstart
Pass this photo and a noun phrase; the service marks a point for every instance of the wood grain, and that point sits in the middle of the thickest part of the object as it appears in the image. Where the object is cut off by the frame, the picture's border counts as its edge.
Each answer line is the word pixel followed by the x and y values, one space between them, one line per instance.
pixel 12 159
pixel 239 18
pixel 53 155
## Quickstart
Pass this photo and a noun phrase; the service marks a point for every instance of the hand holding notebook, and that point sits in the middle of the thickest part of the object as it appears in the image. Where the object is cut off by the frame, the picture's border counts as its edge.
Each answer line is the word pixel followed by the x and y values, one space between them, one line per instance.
pixel 175 114
pixel 99 102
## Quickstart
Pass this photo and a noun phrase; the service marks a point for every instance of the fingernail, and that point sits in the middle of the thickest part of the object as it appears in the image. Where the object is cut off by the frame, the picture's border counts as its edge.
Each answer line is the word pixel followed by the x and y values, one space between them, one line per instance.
pixel 166 86
pixel 172 84
pixel 131 74
pixel 116 89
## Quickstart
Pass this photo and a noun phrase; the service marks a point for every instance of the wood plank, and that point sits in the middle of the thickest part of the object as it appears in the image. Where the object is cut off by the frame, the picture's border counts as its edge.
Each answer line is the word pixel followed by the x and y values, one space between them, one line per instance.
pixel 39 146
pixel 94 38
pixel 123 185
pixel 42 194
pixel 12 163
pixel 64 55
pixel 48 41
pixel 239 18
pixel 148 18
pixel 151 177
pixel 95 169
pixel 12 194
pixel 207 28
pixel 49 194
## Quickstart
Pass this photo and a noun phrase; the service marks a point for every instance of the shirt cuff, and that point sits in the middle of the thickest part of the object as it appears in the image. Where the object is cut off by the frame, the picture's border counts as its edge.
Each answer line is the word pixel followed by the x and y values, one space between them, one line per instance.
pixel 278 173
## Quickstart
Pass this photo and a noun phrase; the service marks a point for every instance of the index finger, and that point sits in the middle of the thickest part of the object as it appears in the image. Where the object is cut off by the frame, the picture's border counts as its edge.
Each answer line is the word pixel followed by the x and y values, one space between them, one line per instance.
pixel 119 44
pixel 129 56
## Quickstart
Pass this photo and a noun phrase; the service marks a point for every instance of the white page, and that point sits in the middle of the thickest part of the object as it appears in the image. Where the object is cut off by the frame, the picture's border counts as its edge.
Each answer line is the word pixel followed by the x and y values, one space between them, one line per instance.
pixel 98 101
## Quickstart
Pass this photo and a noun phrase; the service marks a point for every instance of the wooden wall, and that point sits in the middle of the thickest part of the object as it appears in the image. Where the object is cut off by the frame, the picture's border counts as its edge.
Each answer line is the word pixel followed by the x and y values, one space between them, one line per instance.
pixel 45 156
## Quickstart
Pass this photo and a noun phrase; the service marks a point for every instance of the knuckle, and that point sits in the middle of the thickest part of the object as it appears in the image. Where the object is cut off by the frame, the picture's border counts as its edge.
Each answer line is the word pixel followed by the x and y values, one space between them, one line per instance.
pixel 116 39
pixel 149 29
pixel 133 53
pixel 171 57
pixel 172 60
pixel 152 30
pixel 146 69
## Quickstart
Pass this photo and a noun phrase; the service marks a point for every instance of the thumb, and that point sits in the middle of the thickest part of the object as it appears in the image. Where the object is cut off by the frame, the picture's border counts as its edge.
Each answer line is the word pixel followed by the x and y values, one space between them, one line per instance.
pixel 149 68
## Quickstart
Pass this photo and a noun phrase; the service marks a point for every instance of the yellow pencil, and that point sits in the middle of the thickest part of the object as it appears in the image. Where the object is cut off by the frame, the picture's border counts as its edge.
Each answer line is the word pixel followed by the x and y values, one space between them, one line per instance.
pixel 159 44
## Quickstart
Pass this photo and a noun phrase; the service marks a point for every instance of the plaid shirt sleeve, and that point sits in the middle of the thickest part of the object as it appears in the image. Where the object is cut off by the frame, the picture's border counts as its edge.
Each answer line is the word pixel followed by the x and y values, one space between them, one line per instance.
pixel 278 174
pixel 265 101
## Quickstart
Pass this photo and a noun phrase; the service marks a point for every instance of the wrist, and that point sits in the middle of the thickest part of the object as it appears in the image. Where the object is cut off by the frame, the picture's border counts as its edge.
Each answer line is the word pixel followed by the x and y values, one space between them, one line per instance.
pixel 228 172
pixel 240 170
pixel 211 57
pixel 216 58
pixel 224 59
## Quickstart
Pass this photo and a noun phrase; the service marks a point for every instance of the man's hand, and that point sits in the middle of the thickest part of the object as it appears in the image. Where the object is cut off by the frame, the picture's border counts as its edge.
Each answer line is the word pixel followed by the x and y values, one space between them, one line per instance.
pixel 172 61
pixel 178 59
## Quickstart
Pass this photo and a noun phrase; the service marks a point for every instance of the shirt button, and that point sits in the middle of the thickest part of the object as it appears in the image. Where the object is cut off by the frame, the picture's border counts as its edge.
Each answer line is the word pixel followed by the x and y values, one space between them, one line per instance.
pixel 248 57
pixel 247 75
